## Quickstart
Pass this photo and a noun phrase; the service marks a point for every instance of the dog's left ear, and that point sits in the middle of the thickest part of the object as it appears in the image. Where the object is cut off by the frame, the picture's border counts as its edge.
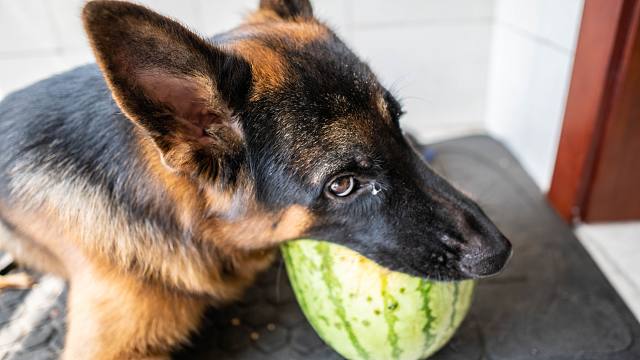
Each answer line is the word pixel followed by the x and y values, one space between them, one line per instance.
pixel 288 9
pixel 180 89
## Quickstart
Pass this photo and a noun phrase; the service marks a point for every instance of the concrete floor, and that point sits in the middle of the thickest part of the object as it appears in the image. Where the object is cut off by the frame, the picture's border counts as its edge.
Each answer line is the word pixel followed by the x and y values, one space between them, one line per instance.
pixel 616 249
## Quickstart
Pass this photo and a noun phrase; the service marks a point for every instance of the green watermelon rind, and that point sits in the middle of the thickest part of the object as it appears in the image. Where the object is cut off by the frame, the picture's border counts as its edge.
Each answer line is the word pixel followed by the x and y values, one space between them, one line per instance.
pixel 364 311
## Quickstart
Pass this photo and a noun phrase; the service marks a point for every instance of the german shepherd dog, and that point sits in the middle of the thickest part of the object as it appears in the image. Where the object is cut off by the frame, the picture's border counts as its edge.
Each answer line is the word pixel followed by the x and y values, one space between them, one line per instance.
pixel 160 181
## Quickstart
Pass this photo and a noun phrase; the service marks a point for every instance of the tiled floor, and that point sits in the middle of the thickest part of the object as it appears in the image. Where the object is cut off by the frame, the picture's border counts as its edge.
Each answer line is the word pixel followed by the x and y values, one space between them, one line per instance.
pixel 616 249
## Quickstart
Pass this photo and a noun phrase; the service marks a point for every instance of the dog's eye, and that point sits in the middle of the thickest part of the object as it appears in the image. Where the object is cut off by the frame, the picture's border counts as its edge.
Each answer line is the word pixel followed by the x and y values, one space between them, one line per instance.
pixel 343 185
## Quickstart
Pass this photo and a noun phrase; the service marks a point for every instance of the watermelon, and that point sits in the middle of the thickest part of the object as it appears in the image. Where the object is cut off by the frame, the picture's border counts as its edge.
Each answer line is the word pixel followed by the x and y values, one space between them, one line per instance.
pixel 365 311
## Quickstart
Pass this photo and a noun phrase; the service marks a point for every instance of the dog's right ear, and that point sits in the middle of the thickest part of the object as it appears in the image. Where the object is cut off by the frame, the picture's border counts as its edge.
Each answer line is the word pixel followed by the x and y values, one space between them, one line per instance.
pixel 180 89
pixel 288 9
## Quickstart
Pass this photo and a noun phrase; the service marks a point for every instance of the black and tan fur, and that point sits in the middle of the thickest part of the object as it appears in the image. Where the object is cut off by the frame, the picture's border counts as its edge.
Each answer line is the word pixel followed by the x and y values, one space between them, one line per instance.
pixel 160 181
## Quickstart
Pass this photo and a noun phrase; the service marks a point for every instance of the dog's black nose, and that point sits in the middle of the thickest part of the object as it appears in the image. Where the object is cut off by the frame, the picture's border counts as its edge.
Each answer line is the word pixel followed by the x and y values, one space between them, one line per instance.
pixel 487 261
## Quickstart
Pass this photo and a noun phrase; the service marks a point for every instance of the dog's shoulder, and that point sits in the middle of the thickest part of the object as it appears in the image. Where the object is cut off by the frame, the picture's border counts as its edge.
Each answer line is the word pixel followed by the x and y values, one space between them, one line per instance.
pixel 68 111
pixel 67 126
pixel 64 92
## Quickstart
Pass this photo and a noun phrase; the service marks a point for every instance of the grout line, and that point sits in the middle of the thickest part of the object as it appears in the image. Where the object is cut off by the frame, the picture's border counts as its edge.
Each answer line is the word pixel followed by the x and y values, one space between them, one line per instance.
pixel 536 38
pixel 620 272
pixel 612 271
pixel 38 53
pixel 200 17
pixel 29 53
pixel 53 27
pixel 419 23
pixel 350 27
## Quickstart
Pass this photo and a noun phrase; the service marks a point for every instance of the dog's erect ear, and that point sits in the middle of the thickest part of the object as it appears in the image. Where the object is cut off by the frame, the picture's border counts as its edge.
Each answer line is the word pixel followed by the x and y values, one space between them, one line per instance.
pixel 288 9
pixel 180 89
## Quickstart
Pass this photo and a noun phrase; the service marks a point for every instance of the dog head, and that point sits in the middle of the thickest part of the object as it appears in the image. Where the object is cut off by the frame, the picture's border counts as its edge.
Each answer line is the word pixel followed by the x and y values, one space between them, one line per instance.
pixel 288 134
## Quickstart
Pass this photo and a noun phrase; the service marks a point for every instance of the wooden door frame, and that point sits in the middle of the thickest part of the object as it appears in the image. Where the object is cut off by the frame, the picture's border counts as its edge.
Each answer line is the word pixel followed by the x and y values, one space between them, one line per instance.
pixel 608 35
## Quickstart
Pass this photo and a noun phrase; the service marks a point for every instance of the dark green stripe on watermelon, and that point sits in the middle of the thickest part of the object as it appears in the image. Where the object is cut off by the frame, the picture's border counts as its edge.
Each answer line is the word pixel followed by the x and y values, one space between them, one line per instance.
pixel 456 295
pixel 334 287
pixel 390 304
pixel 425 289
pixel 295 283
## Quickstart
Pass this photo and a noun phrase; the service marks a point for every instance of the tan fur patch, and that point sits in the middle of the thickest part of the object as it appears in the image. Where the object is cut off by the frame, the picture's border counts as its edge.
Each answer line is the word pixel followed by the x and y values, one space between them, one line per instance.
pixel 268 66
pixel 115 316
pixel 33 249
pixel 260 230
pixel 383 109
pixel 298 33
pixel 183 193
pixel 262 16
pixel 292 223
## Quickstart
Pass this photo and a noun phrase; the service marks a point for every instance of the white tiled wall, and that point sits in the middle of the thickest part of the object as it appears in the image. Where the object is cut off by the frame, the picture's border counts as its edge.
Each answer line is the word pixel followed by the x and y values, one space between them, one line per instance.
pixel 440 79
pixel 552 21
pixel 460 66
pixel 370 12
pixel 434 53
pixel 531 61
pixel 18 34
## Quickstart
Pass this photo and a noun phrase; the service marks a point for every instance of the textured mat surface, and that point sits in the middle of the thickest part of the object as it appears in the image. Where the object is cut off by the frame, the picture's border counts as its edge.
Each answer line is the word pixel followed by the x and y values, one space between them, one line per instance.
pixel 551 302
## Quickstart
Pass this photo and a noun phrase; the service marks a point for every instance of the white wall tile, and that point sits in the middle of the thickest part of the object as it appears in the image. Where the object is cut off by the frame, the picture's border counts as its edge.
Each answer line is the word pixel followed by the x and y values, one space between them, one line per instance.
pixel 67 23
pixel 73 58
pixel 335 13
pixel 552 20
pixel 187 12
pixel 368 12
pixel 17 73
pixel 219 16
pixel 440 70
pixel 527 93
pixel 25 26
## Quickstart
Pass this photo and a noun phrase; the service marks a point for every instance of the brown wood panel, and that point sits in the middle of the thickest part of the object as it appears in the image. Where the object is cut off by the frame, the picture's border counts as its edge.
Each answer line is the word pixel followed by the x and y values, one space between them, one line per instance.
pixel 598 53
pixel 614 194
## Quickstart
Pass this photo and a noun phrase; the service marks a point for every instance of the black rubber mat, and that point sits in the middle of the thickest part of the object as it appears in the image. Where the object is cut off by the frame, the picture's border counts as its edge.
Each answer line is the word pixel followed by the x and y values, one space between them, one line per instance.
pixel 551 302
